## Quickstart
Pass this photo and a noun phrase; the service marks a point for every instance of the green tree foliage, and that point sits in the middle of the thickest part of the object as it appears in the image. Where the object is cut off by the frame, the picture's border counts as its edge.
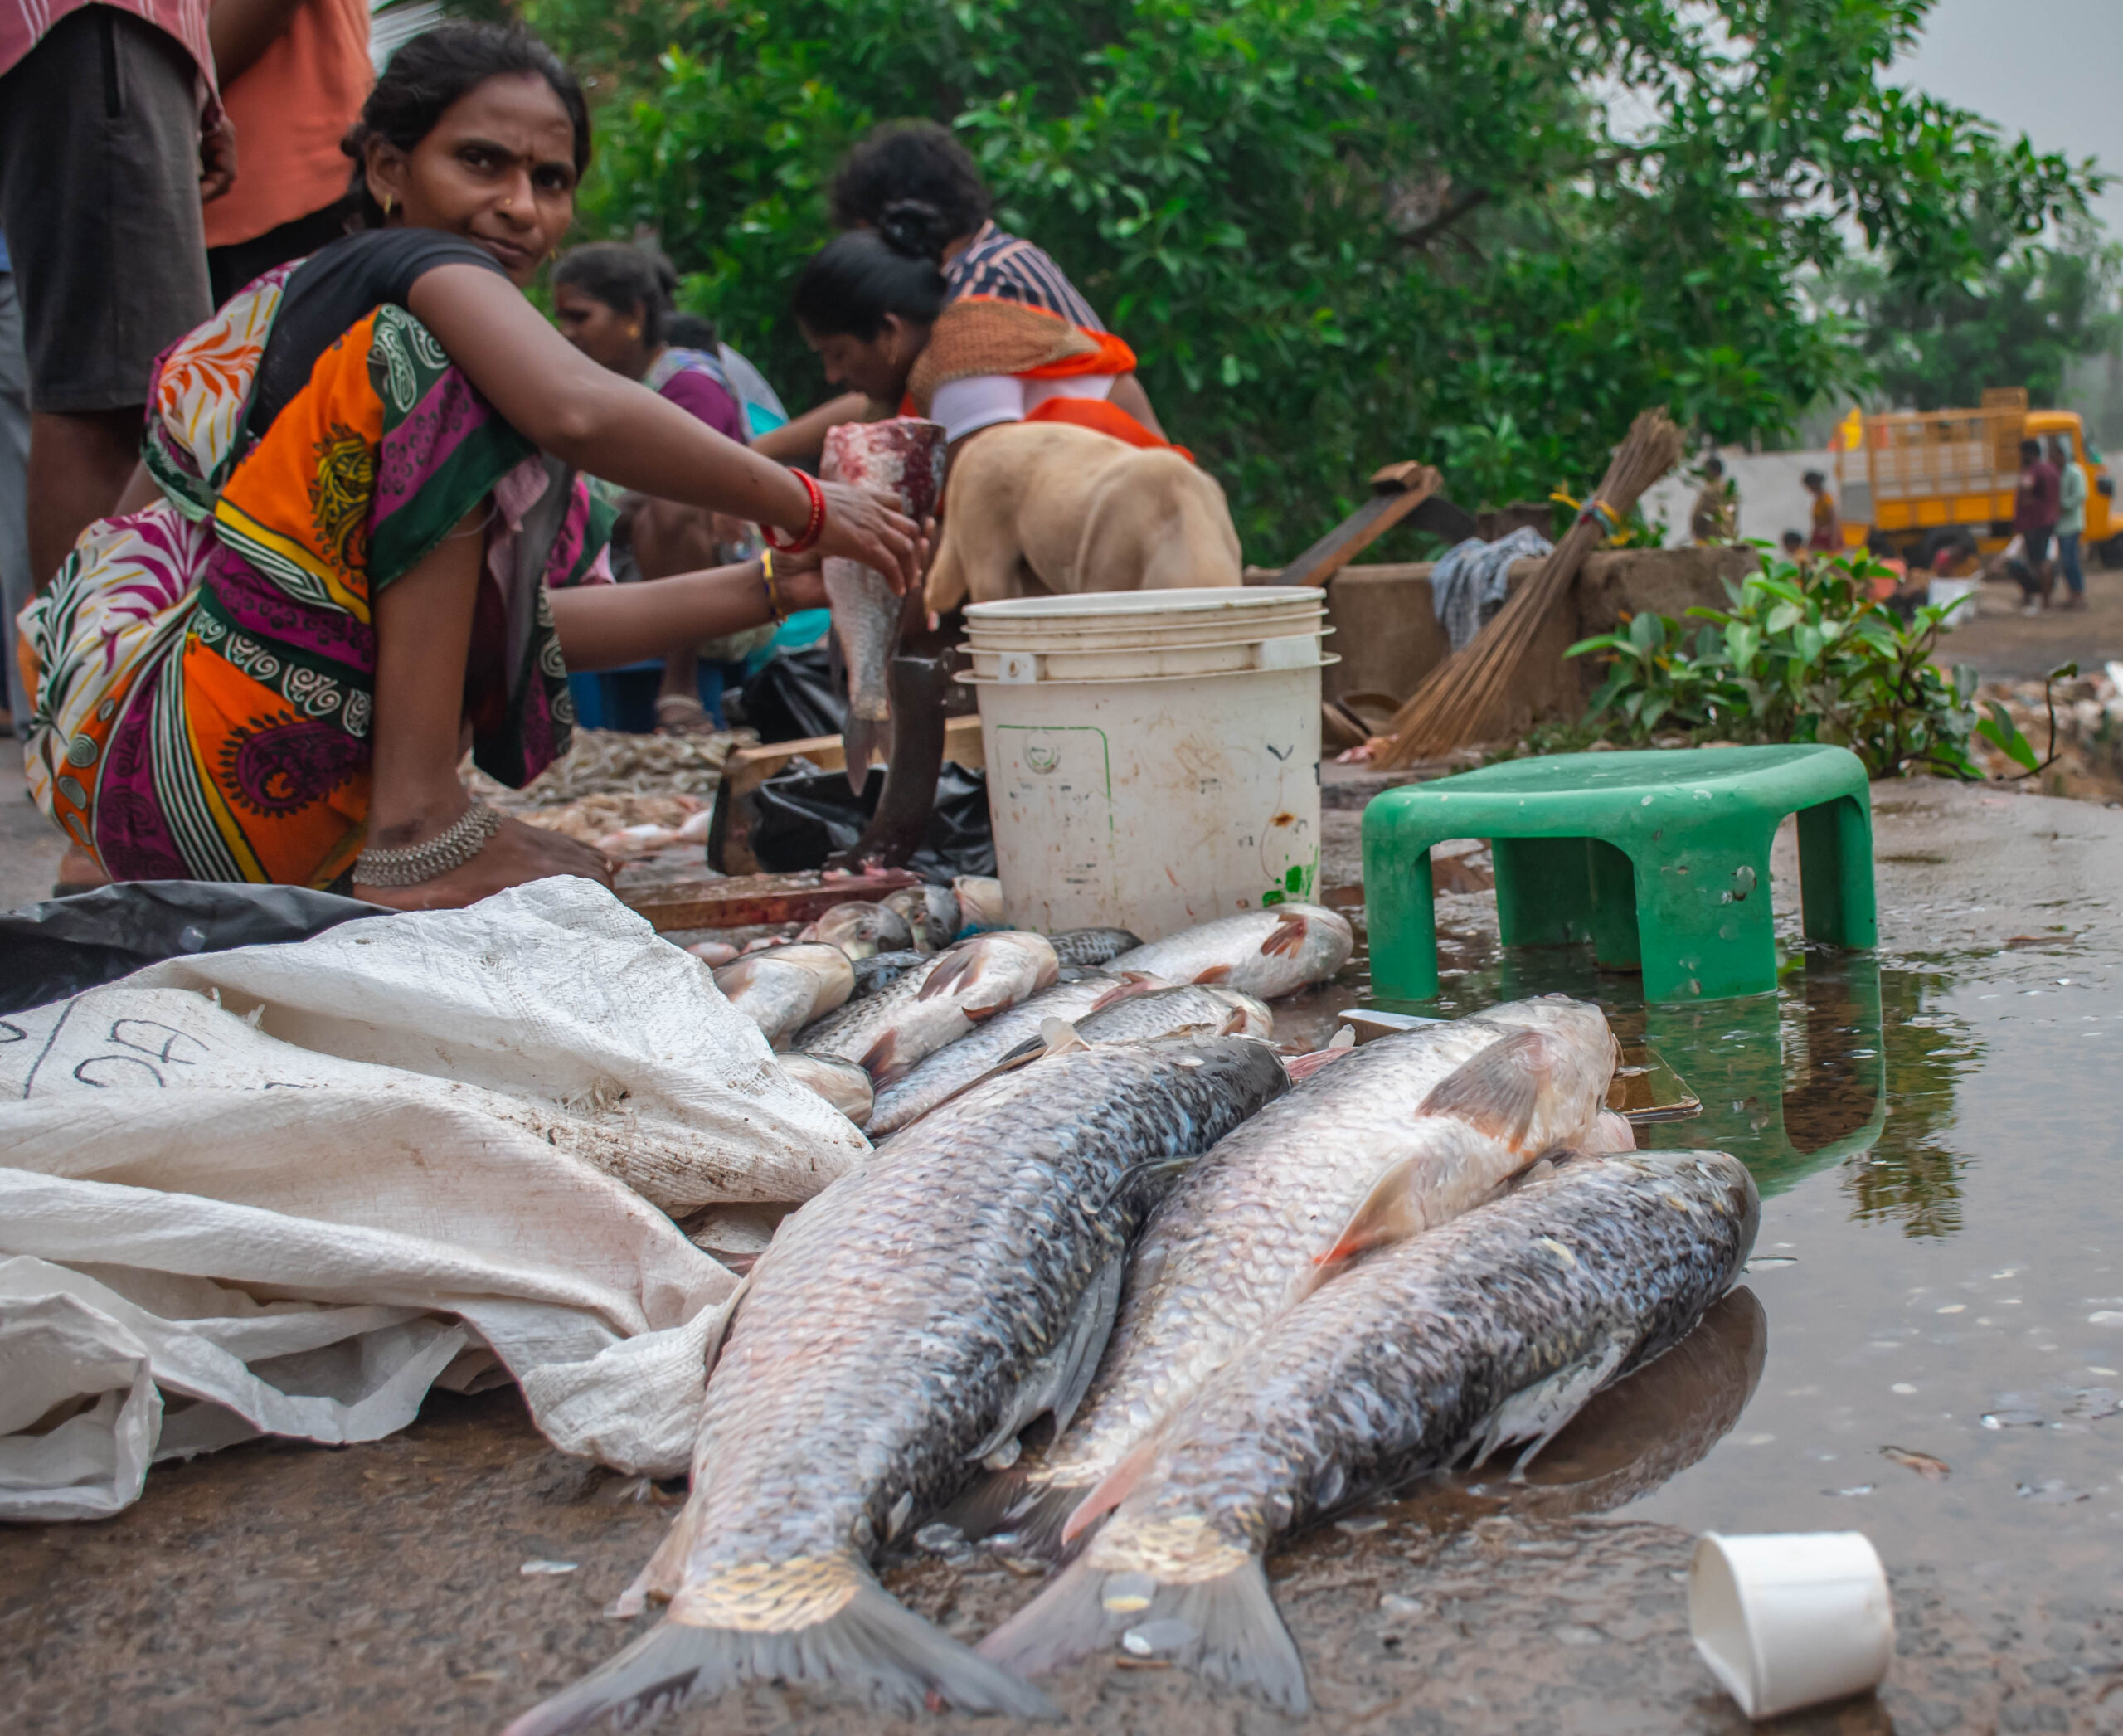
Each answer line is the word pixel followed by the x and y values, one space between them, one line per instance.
pixel 1338 233
pixel 2020 320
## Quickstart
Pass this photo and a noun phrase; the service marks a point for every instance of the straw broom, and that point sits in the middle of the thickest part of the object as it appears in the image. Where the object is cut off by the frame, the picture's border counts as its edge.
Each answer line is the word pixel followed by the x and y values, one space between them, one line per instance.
pixel 1457 697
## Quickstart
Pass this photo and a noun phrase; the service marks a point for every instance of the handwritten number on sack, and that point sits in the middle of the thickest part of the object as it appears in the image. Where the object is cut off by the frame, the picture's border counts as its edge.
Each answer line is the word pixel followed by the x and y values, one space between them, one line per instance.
pixel 12 1033
pixel 145 1037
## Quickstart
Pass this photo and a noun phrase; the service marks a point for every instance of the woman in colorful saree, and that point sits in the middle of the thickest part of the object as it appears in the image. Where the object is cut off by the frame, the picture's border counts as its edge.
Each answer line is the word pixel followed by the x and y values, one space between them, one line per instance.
pixel 356 546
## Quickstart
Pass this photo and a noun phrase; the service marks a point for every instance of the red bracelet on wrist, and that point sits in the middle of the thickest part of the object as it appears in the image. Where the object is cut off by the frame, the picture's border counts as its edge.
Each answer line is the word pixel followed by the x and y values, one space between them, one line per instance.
pixel 813 527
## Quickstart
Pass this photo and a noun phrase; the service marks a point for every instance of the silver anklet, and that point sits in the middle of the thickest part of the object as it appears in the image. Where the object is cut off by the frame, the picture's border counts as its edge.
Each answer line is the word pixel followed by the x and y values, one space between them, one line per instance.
pixel 451 847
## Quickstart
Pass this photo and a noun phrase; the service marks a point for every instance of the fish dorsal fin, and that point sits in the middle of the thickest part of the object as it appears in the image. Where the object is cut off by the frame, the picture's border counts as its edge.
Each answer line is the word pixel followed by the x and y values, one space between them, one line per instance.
pixel 1496 1092
pixel 1059 1038
pixel 1388 1212
pixel 1132 983
pixel 1056 1383
pixel 1112 1489
pixel 950 967
pixel 1287 937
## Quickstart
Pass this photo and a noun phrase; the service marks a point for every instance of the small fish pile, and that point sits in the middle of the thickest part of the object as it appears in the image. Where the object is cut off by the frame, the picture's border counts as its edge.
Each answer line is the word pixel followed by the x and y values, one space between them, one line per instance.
pixel 904 457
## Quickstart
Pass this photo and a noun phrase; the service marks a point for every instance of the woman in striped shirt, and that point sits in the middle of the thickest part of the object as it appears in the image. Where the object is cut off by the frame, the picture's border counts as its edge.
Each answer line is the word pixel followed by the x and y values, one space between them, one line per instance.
pixel 926 300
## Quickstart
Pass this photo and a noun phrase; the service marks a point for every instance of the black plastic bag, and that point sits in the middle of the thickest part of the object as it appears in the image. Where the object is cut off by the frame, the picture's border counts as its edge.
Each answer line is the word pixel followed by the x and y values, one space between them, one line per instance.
pixel 795 696
pixel 63 946
pixel 804 817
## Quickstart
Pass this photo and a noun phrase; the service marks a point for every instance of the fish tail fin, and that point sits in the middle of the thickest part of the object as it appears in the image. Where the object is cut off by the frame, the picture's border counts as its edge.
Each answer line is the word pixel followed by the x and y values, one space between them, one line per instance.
pixel 865 740
pixel 1226 1629
pixel 870 1646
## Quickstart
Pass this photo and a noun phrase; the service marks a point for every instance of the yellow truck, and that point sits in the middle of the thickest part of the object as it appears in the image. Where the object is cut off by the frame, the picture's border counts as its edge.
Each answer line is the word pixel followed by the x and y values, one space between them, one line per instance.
pixel 1921 477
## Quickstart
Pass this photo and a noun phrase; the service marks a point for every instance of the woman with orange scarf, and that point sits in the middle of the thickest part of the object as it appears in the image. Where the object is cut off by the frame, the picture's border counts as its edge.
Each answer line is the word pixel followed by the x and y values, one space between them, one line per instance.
pixel 925 304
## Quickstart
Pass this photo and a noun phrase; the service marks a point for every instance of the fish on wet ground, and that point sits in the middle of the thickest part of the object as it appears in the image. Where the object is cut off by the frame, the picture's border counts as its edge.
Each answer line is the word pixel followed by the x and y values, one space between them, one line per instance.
pixel 1494 1328
pixel 862 930
pixel 903 457
pixel 1395 1135
pixel 787 988
pixel 1270 953
pixel 931 914
pixel 908 1321
pixel 889 1033
pixel 1093 946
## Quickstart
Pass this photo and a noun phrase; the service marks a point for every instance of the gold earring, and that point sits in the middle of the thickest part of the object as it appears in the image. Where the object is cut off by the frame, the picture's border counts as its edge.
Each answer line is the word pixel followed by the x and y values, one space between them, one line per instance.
pixel 634 331
pixel 387 204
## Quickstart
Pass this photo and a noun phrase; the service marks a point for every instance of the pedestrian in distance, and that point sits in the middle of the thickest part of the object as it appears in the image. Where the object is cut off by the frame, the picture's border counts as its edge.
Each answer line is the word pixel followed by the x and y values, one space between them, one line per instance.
pixel 2035 512
pixel 1826 537
pixel 1715 518
pixel 2071 523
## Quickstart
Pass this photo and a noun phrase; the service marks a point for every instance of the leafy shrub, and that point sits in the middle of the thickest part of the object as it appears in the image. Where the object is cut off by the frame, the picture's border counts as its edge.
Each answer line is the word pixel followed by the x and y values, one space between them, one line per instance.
pixel 1798 656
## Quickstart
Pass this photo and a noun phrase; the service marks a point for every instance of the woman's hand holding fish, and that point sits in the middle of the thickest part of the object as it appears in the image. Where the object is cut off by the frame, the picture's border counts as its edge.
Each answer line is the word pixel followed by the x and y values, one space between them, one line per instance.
pixel 867 526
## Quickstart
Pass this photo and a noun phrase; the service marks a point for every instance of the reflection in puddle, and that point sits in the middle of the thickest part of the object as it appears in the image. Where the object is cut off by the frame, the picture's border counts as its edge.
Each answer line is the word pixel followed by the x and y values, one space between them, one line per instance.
pixel 1630 1438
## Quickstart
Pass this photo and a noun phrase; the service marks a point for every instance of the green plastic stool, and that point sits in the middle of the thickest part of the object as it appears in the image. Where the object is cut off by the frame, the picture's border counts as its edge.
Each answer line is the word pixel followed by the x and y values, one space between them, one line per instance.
pixel 1660 859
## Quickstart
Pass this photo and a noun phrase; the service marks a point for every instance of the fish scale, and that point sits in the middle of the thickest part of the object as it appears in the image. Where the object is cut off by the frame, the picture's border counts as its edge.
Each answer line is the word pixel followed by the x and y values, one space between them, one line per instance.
pixel 882 1336
pixel 1238 1239
pixel 1498 1325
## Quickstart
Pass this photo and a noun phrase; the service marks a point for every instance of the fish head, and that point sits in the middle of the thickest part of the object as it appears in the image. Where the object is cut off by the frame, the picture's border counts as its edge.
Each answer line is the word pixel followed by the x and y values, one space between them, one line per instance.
pixel 830 971
pixel 1247 1017
pixel 980 900
pixel 869 927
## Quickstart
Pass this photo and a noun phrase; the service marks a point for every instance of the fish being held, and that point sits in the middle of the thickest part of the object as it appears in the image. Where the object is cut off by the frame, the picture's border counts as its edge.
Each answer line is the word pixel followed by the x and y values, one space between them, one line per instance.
pixel 1497 1327
pixel 783 989
pixel 1396 1135
pixel 903 457
pixel 909 1320
pixel 1268 952
pixel 889 1033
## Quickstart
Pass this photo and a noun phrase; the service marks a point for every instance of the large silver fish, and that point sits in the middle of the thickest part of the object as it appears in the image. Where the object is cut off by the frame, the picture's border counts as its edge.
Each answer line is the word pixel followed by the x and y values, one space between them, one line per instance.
pixel 862 930
pixel 904 457
pixel 957 1065
pixel 1268 952
pixel 932 913
pixel 1095 946
pixel 1496 1327
pixel 1161 1012
pixel 881 970
pixel 909 1320
pixel 841 1083
pixel 889 1033
pixel 785 988
pixel 1412 1129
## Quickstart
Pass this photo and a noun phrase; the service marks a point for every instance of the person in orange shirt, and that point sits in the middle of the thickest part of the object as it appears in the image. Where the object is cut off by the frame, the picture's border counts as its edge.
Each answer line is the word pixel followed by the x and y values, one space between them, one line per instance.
pixel 293 75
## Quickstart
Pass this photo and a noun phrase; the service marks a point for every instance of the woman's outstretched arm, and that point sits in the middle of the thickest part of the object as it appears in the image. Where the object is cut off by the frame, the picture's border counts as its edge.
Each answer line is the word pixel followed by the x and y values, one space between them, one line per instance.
pixel 606 626
pixel 566 404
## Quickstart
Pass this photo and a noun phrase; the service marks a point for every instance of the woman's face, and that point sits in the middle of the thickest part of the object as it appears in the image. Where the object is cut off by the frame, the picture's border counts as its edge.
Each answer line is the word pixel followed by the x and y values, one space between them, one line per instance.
pixel 497 169
pixel 609 338
pixel 877 366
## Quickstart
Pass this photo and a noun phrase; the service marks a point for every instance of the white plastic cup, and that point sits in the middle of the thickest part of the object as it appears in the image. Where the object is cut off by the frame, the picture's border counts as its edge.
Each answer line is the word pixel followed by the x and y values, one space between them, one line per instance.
pixel 1792 1619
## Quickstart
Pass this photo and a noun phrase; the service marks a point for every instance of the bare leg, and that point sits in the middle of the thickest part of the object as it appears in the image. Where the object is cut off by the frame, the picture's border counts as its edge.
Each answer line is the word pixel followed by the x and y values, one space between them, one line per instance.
pixel 79 466
pixel 423 638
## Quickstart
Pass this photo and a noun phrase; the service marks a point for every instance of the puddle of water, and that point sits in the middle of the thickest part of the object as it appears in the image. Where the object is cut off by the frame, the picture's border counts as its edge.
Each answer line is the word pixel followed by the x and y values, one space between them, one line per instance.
pixel 1938 1280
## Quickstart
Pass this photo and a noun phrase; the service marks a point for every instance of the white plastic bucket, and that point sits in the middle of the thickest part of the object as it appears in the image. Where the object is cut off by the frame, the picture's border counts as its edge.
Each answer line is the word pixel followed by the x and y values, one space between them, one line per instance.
pixel 1153 756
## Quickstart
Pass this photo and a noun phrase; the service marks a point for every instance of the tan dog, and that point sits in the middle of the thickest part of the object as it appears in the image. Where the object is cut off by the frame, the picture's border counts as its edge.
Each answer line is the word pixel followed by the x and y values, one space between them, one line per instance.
pixel 1034 506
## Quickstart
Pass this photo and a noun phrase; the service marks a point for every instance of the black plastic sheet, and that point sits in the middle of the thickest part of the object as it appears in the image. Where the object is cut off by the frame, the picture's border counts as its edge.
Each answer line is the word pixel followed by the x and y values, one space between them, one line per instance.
pixel 803 818
pixel 795 695
pixel 63 946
